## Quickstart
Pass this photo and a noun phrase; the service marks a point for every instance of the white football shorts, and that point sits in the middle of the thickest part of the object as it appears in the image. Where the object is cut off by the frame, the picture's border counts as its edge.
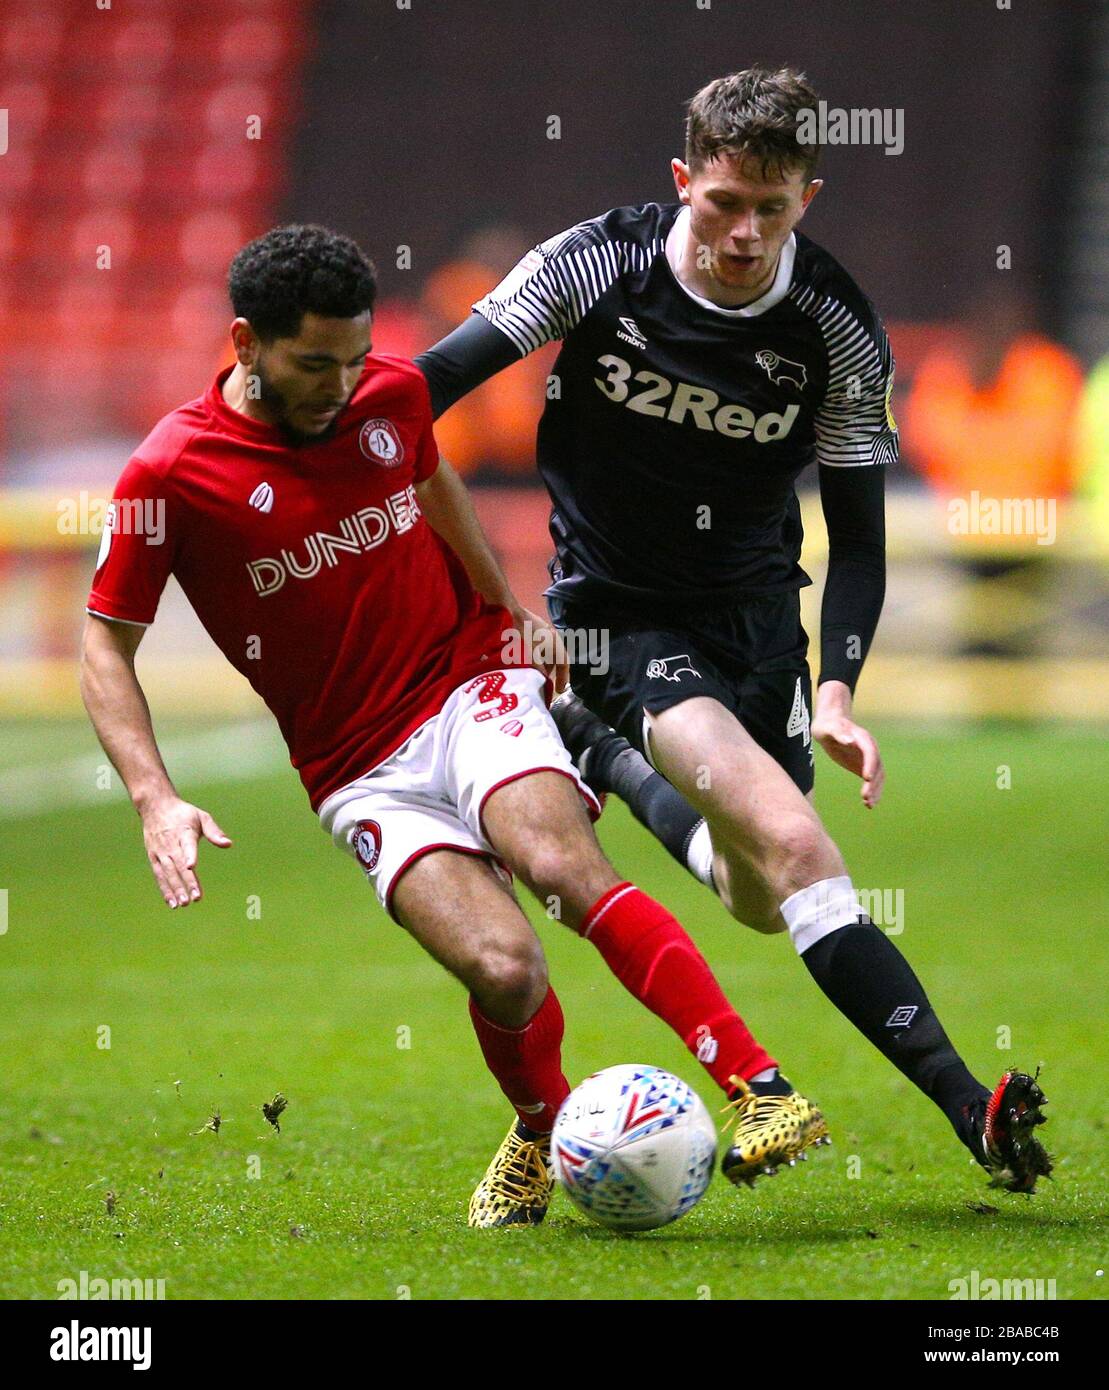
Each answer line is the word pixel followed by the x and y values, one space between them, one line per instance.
pixel 431 792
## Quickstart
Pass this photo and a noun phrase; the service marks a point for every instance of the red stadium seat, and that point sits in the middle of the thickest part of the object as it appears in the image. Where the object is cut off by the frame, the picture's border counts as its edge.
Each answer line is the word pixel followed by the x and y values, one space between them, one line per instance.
pixel 17 170
pixel 226 173
pixel 88 48
pixel 29 110
pixel 143 47
pixel 208 240
pixel 31 42
pixel 128 130
pixel 254 46
pixel 112 173
pixel 199 313
pixel 112 227
pixel 228 107
pixel 128 111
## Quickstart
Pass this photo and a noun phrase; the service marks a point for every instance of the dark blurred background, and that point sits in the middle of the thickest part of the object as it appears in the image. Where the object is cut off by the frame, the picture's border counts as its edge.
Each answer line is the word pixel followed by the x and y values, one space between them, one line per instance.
pixel 421 127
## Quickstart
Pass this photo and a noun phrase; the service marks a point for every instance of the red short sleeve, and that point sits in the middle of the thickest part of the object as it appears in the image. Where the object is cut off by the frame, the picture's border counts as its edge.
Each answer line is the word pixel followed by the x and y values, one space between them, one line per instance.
pixel 136 548
pixel 427 453
pixel 427 459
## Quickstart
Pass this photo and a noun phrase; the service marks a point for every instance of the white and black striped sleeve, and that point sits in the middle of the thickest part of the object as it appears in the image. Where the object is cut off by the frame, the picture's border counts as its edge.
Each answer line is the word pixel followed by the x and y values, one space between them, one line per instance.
pixel 854 424
pixel 551 290
pixel 855 439
pixel 539 301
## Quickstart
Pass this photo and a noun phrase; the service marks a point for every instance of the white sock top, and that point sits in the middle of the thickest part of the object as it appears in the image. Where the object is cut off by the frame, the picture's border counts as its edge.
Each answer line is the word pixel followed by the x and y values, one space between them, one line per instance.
pixel 819 909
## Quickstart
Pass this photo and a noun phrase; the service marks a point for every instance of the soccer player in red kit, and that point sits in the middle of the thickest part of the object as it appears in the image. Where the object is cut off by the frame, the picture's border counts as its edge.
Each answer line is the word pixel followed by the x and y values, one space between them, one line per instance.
pixel 337 563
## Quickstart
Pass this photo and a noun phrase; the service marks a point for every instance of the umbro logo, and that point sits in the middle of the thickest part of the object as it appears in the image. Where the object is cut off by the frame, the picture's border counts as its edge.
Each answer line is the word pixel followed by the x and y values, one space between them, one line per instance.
pixel 780 369
pixel 902 1017
pixel 262 497
pixel 630 333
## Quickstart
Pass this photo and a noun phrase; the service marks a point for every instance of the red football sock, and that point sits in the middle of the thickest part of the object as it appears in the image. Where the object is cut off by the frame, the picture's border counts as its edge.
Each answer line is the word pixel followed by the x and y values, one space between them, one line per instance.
pixel 651 955
pixel 527 1062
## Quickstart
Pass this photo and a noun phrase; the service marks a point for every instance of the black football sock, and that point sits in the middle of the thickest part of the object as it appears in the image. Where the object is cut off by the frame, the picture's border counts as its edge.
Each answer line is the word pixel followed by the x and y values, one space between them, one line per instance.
pixel 615 766
pixel 871 983
pixel 774 1085
pixel 528 1134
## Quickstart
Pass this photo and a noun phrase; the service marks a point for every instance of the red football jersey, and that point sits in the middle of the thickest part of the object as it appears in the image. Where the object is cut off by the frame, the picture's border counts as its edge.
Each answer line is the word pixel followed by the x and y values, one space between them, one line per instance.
pixel 311 567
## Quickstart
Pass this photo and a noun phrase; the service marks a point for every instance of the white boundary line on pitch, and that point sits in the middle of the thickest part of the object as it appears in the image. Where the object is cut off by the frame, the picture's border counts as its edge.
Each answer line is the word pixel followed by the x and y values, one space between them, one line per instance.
pixel 231 754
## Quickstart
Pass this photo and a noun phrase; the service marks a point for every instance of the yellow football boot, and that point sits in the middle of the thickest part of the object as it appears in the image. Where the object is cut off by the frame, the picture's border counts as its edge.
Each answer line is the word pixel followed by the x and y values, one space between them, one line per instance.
pixel 769 1131
pixel 517 1186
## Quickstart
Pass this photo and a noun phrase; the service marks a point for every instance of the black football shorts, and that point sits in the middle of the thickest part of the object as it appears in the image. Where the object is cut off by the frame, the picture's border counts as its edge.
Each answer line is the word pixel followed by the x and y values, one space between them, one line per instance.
pixel 752 658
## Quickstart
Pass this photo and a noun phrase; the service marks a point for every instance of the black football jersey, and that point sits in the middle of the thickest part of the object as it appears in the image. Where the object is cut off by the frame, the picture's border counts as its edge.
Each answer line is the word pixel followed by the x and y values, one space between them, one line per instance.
pixel 674 429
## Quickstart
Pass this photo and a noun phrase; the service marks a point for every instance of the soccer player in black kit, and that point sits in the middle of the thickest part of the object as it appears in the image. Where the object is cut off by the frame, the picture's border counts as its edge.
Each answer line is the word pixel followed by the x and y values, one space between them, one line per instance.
pixel 710 351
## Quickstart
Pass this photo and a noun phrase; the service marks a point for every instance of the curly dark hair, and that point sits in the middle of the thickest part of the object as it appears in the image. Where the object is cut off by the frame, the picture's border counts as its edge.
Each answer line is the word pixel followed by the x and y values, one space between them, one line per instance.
pixel 296 270
pixel 755 112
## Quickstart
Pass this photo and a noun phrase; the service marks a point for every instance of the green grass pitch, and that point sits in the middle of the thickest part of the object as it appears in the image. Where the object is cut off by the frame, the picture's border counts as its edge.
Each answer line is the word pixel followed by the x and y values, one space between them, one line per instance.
pixel 363 1193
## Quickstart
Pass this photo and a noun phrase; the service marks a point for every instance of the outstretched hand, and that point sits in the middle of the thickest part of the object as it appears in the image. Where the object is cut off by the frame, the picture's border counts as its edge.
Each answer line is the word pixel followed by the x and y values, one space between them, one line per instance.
pixel 848 743
pixel 172 830
pixel 544 646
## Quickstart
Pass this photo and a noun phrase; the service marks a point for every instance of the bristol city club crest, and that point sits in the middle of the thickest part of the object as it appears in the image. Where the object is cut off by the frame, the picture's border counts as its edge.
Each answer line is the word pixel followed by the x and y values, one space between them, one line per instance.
pixel 381 443
pixel 366 841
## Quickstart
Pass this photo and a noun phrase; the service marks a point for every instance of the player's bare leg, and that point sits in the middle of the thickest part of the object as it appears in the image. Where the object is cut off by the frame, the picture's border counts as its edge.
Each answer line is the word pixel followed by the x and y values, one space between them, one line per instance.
pixel 538 826
pixel 776 868
pixel 768 840
pixel 463 916
pixel 466 918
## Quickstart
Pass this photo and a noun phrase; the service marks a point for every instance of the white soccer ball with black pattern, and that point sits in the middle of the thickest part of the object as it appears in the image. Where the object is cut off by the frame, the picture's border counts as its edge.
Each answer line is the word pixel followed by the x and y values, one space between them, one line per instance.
pixel 634 1147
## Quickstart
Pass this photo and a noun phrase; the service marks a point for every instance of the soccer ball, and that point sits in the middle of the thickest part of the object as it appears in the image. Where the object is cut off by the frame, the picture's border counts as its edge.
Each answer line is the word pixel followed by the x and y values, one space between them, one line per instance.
pixel 634 1147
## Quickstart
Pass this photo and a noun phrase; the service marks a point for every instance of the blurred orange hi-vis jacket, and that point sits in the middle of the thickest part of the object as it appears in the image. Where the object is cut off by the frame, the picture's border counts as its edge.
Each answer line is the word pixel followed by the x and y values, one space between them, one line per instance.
pixel 1011 438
